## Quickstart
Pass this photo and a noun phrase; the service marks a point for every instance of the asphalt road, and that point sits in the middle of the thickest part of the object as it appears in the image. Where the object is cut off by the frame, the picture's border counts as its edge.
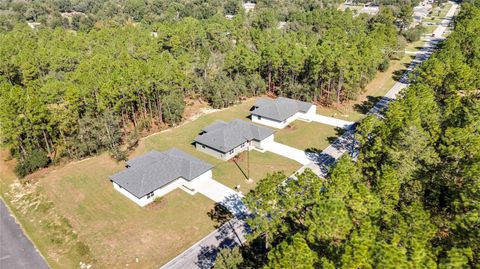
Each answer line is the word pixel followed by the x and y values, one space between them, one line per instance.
pixel 202 254
pixel 16 250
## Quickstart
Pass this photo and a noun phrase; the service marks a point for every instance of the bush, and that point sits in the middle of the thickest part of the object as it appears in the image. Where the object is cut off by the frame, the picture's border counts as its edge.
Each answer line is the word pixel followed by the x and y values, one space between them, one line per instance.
pixel 384 65
pixel 82 249
pixel 118 154
pixel 414 34
pixel 33 161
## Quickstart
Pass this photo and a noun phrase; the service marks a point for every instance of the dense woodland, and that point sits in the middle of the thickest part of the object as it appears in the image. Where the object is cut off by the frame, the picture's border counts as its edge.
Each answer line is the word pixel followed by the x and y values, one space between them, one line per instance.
pixel 412 200
pixel 75 92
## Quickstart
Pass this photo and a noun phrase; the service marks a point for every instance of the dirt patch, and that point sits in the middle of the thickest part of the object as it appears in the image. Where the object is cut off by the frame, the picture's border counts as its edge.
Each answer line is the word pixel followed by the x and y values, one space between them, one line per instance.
pixel 156 205
pixel 291 127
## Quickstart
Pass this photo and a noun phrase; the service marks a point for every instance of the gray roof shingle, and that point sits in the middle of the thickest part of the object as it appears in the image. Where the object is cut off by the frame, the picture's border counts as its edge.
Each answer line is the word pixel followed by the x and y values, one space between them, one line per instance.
pixel 155 169
pixel 279 109
pixel 225 136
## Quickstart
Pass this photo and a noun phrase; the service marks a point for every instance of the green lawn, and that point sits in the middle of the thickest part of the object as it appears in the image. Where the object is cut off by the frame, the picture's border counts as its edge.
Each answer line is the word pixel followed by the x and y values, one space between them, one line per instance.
pixel 116 229
pixel 307 135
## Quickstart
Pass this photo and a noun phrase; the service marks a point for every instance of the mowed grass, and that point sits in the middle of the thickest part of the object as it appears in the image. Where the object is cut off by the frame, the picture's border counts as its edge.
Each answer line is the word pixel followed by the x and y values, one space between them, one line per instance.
pixel 307 135
pixel 117 230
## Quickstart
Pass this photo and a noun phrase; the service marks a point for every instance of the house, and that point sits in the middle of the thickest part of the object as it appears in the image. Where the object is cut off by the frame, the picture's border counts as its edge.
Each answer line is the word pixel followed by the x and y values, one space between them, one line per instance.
pixel 158 173
pixel 280 112
pixel 224 140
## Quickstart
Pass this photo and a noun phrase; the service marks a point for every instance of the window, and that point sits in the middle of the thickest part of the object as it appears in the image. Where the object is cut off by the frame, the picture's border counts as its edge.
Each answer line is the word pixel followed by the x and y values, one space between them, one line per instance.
pixel 150 195
pixel 258 117
pixel 203 146
pixel 243 145
pixel 230 152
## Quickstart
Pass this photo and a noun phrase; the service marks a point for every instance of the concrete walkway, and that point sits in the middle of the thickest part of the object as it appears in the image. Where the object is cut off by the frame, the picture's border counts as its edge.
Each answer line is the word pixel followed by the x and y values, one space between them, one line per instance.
pixel 330 121
pixel 288 152
pixel 222 194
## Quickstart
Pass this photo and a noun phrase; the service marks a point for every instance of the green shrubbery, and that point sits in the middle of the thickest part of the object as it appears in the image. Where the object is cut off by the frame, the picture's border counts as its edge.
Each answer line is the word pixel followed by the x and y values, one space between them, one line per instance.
pixel 414 34
pixel 34 160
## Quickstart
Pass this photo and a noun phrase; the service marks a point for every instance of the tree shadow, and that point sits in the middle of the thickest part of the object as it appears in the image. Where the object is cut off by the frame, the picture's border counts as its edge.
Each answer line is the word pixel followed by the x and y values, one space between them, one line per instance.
pixel 227 237
pixel 219 214
pixel 366 105
pixel 398 74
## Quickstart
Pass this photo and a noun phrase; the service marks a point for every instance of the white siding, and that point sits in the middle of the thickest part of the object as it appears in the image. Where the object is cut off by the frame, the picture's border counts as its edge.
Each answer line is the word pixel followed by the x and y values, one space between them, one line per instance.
pixel 220 155
pixel 282 124
pixel 266 141
pixel 271 122
pixel 165 189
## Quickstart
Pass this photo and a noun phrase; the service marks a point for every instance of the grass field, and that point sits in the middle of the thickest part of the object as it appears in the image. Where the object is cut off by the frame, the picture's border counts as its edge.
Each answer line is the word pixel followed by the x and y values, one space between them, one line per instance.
pixel 116 229
pixel 307 135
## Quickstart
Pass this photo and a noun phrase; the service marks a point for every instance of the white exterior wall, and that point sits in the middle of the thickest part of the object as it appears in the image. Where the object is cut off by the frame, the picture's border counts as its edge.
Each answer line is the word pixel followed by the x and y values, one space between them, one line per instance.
pixel 282 124
pixel 198 180
pixel 263 143
pixel 220 155
pixel 163 190
pixel 271 122
pixel 312 111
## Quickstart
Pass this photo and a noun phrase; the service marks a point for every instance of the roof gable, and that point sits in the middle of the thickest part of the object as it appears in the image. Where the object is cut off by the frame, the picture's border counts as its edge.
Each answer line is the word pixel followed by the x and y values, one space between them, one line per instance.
pixel 154 170
pixel 225 136
pixel 279 109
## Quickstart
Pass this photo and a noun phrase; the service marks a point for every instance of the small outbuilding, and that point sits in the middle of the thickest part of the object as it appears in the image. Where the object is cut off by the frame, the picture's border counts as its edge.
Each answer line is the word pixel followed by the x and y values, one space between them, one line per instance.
pixel 280 112
pixel 158 173
pixel 224 140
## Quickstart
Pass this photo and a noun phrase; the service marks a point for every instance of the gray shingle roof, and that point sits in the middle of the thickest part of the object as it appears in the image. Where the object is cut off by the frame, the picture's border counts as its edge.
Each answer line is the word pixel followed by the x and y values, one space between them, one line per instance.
pixel 279 109
pixel 225 136
pixel 155 169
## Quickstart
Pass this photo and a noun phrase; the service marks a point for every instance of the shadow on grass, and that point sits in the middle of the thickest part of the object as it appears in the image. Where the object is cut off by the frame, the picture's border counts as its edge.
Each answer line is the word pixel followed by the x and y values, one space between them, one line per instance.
pixel 338 132
pixel 240 168
pixel 366 105
pixel 220 215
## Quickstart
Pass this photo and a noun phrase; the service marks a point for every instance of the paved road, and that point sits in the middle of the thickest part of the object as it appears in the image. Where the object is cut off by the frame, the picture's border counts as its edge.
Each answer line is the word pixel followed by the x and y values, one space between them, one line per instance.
pixel 202 254
pixel 16 250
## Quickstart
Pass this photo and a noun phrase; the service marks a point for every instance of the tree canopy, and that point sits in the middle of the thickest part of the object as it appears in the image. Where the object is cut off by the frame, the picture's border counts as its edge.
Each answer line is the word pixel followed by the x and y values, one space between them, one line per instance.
pixel 411 200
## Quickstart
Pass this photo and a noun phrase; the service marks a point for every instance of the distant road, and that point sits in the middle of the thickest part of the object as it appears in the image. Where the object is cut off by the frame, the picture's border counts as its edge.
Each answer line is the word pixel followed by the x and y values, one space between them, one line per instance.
pixel 16 250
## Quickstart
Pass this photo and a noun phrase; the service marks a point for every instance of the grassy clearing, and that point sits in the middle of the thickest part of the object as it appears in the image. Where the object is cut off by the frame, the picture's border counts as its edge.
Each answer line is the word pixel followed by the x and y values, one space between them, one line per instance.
pixel 307 135
pixel 233 173
pixel 116 230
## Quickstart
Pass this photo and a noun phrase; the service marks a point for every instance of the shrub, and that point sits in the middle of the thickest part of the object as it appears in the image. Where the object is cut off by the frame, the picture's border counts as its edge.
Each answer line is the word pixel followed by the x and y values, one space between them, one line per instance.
pixel 384 65
pixel 82 249
pixel 414 34
pixel 34 160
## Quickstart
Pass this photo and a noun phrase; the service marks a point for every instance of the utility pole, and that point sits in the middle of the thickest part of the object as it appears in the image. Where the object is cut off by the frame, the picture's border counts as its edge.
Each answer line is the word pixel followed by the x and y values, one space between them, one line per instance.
pixel 248 160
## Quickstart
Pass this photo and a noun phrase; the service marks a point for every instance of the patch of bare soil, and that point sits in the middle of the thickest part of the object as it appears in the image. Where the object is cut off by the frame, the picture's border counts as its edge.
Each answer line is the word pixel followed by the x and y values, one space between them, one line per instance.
pixel 155 205
pixel 291 127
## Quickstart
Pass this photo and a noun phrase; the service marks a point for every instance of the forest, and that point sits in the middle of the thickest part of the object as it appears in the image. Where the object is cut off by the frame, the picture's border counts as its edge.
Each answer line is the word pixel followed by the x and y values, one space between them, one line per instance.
pixel 74 92
pixel 411 200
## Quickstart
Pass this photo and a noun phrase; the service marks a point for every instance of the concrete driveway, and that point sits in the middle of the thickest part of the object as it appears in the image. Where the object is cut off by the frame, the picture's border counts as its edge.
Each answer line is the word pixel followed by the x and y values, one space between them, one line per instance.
pixel 222 194
pixel 288 152
pixel 330 121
